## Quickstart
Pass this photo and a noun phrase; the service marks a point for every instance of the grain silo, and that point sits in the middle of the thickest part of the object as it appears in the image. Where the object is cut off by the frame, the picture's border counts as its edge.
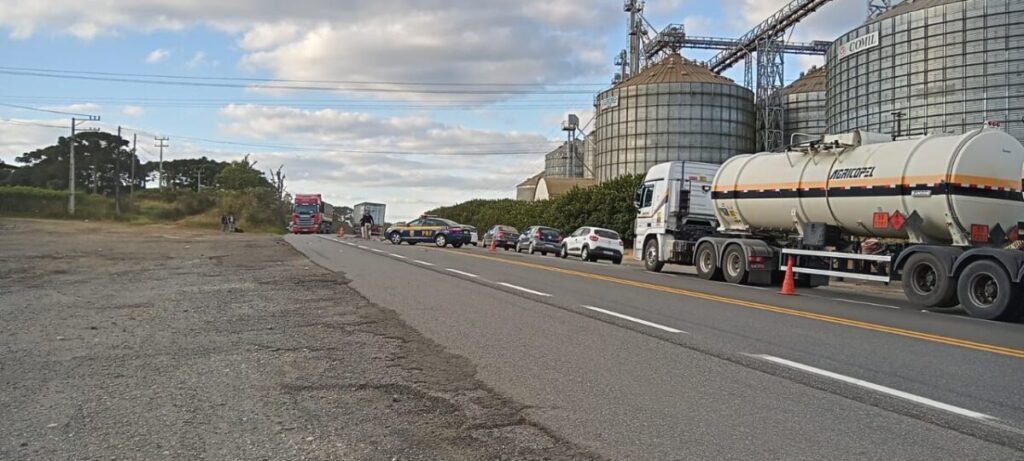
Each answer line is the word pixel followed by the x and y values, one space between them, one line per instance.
pixel 673 110
pixel 805 106
pixel 931 65
pixel 557 164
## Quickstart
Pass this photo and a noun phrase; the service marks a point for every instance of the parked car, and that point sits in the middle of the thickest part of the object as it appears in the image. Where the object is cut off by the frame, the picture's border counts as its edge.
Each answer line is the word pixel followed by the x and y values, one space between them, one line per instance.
pixel 474 236
pixel 429 229
pixel 539 239
pixel 503 237
pixel 592 244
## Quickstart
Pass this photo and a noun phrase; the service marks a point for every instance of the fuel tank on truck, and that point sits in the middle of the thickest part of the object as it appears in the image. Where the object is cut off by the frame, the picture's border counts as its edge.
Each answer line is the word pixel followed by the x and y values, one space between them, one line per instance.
pixel 970 182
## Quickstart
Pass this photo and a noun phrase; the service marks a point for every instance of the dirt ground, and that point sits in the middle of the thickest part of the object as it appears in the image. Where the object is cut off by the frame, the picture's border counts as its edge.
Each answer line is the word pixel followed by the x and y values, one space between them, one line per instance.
pixel 132 342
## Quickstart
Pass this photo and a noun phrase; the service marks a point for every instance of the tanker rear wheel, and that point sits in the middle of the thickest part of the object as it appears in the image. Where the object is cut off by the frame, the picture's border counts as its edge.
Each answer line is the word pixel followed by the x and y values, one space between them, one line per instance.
pixel 926 282
pixel 734 265
pixel 706 262
pixel 986 292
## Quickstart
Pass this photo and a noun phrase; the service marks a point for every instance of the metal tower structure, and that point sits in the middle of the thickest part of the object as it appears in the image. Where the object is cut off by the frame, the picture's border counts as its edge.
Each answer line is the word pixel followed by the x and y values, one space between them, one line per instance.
pixel 636 29
pixel 877 7
pixel 766 39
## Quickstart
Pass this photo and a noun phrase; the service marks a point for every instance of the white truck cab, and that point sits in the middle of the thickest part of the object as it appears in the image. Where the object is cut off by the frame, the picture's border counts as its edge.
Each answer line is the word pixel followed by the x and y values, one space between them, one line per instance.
pixel 674 209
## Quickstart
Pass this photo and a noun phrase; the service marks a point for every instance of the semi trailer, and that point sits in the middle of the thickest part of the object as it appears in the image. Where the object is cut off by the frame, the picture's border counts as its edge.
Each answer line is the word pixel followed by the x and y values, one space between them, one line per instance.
pixel 311 215
pixel 940 213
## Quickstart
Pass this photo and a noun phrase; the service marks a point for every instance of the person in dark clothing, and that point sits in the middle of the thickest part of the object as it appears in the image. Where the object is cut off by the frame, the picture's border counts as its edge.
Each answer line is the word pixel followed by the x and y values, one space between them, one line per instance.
pixel 366 224
pixel 223 223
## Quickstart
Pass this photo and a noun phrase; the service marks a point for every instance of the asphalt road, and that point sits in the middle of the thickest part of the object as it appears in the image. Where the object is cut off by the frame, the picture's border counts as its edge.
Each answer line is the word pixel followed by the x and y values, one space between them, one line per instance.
pixel 633 364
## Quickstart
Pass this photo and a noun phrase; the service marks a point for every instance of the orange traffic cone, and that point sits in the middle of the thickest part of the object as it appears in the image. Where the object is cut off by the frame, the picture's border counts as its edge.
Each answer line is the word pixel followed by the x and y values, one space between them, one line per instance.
pixel 788 284
pixel 494 246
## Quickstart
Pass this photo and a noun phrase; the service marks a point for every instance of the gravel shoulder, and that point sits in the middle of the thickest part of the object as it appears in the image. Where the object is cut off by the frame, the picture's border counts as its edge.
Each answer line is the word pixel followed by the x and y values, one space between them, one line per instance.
pixel 146 342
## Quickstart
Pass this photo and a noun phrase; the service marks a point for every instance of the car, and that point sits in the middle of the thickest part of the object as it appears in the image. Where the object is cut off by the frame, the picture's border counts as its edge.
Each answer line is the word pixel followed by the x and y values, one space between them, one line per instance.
pixel 592 244
pixel 442 232
pixel 474 236
pixel 502 236
pixel 540 239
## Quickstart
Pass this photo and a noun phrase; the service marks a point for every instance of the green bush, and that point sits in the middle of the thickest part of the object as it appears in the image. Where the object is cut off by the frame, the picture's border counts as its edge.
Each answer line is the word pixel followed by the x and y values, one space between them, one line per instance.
pixel 608 205
pixel 48 203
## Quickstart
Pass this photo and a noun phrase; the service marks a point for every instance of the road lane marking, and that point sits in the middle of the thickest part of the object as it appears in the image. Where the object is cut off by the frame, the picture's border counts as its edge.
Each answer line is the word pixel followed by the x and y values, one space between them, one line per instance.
pixel 526 290
pixel 467 274
pixel 362 247
pixel 376 250
pixel 634 319
pixel 1001 350
pixel 876 387
pixel 398 256
pixel 865 303
pixel 423 262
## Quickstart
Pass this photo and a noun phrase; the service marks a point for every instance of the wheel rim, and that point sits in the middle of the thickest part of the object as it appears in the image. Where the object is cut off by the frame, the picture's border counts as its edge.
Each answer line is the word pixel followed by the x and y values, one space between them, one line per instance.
pixel 705 261
pixel 440 240
pixel 531 248
pixel 396 239
pixel 733 265
pixel 585 254
pixel 652 255
pixel 983 290
pixel 924 279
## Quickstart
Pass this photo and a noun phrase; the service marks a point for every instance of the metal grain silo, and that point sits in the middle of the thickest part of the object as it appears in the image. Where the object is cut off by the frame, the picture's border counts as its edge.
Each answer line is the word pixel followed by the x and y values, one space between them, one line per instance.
pixel 805 106
pixel 673 110
pixel 556 162
pixel 933 65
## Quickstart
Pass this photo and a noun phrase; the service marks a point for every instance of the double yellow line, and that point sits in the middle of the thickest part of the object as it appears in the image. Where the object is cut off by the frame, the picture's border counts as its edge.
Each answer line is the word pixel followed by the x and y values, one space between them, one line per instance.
pixel 1016 353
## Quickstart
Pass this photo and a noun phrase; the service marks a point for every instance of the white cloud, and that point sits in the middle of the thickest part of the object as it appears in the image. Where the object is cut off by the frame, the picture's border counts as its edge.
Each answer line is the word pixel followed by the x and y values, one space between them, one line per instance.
pixel 157 55
pixel 80 108
pixel 133 111
pixel 18 136
pixel 198 59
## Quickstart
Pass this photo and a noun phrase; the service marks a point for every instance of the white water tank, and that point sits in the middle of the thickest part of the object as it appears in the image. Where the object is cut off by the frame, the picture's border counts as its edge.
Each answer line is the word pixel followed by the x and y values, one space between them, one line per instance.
pixel 971 182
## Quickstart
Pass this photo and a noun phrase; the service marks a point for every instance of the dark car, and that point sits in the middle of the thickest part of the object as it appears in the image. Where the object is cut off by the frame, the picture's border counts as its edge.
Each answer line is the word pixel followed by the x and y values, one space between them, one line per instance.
pixel 502 236
pixel 429 229
pixel 540 239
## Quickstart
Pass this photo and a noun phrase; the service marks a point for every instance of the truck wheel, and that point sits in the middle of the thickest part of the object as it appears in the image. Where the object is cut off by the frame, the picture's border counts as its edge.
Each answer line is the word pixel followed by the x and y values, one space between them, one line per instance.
pixel 441 241
pixel 395 238
pixel 651 260
pixel 707 266
pixel 986 291
pixel 926 282
pixel 734 265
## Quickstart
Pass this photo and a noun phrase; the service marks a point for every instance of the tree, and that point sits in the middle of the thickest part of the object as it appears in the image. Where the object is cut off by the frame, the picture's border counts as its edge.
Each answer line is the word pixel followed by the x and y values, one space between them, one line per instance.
pixel 101 164
pixel 185 173
pixel 241 175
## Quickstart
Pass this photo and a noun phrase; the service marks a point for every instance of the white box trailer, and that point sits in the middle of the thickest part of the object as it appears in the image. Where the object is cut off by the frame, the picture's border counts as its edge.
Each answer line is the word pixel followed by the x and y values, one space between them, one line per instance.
pixel 376 211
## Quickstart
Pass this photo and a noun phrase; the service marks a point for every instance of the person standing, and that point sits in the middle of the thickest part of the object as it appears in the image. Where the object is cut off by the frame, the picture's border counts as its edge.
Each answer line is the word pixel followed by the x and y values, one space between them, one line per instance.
pixel 231 223
pixel 366 225
pixel 223 223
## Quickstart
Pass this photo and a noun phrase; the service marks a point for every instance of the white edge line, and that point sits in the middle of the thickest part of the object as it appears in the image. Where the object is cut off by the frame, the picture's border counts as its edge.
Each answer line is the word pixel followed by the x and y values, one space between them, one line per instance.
pixel 467 274
pixel 867 303
pixel 398 256
pixel 526 290
pixel 877 387
pixel 634 319
pixel 376 250
pixel 423 262
pixel 362 247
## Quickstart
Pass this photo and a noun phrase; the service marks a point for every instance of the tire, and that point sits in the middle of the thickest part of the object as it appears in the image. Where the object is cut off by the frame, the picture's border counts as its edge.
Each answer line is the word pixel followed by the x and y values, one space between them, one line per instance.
pixel 585 254
pixel 564 253
pixel 986 291
pixel 395 238
pixel 926 282
pixel 518 249
pixel 651 259
pixel 533 249
pixel 441 241
pixel 705 260
pixel 734 265
pixel 617 261
pixel 543 253
pixel 457 245
pixel 412 243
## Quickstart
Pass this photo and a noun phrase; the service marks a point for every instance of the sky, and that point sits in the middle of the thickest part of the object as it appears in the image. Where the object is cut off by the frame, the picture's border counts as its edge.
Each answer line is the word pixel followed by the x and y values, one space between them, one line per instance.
pixel 355 99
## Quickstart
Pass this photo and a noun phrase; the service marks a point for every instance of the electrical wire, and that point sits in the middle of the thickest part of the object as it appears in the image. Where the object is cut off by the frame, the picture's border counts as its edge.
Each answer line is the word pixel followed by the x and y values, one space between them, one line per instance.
pixel 45 110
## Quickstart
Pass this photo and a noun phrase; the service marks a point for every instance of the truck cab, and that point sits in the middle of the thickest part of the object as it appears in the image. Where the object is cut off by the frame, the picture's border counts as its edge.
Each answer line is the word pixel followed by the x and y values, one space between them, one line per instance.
pixel 674 210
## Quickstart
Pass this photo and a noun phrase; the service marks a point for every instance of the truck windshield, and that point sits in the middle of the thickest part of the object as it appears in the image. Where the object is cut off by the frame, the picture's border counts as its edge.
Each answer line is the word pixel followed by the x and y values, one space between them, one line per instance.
pixel 306 209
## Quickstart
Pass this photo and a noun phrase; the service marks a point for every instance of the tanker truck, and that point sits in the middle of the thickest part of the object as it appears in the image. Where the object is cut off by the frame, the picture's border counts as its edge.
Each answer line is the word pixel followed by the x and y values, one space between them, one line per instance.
pixel 940 213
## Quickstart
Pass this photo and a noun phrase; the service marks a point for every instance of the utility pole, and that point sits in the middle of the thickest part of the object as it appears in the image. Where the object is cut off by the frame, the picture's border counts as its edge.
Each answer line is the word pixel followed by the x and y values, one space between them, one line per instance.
pixel 161 142
pixel 71 161
pixel 199 179
pixel 131 185
pixel 117 173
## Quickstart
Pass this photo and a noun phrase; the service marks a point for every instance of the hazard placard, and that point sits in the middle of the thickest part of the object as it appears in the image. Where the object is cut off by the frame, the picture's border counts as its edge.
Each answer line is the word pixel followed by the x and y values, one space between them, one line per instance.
pixel 897 220
pixel 881 221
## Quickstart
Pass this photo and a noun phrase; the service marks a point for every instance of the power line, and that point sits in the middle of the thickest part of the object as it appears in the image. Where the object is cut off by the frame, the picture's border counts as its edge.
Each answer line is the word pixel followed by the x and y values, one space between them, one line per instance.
pixel 19 122
pixel 281 80
pixel 45 110
pixel 290 87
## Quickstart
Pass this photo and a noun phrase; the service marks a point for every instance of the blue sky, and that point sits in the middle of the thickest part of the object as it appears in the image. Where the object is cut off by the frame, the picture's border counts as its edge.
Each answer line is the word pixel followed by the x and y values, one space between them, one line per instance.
pixel 350 145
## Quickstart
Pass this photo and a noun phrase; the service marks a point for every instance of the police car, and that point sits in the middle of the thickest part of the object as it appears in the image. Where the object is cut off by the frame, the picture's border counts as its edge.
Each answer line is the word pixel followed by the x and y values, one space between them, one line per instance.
pixel 429 229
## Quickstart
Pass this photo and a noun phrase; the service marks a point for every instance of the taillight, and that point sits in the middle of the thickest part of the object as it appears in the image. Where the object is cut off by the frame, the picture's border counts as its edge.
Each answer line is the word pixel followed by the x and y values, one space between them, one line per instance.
pixel 559 238
pixel 622 244
pixel 756 259
pixel 537 236
pixel 593 238
pixel 501 234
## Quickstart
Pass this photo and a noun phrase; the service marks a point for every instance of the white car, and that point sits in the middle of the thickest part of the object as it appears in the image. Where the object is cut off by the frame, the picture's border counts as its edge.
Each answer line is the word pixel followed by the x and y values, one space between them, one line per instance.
pixel 592 244
pixel 474 236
